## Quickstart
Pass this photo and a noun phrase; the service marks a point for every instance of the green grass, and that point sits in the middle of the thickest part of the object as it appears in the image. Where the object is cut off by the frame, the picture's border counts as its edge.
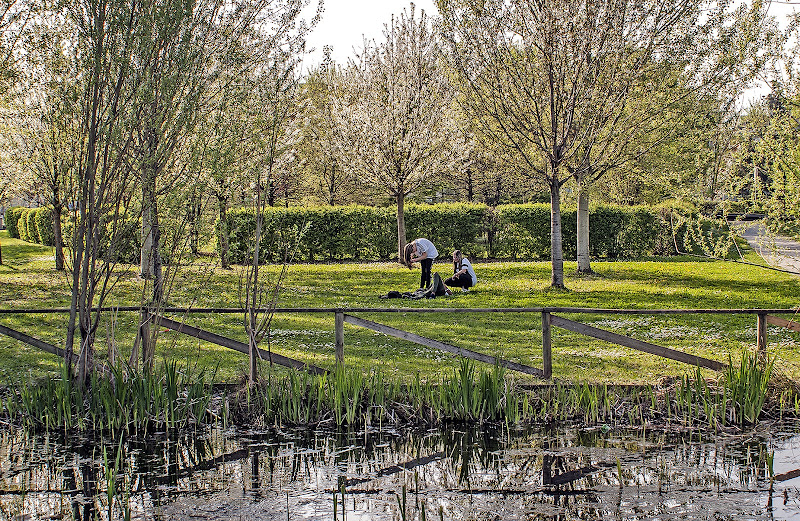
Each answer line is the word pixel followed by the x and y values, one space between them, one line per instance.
pixel 28 280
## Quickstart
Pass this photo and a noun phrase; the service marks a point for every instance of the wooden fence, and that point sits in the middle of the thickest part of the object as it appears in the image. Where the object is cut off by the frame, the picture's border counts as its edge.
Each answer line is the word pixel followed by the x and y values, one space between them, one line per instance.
pixel 551 318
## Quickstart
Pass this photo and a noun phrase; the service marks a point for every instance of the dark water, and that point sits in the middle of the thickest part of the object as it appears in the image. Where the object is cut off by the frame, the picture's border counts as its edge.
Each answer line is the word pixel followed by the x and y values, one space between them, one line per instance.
pixel 455 474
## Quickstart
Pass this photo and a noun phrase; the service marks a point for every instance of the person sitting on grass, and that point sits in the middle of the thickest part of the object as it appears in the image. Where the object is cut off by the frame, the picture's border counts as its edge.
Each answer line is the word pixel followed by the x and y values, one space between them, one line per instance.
pixel 463 275
pixel 422 251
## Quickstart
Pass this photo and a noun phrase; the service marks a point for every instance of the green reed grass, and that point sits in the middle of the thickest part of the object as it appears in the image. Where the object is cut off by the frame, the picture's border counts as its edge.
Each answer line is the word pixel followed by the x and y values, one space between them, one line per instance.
pixel 125 401
pixel 747 385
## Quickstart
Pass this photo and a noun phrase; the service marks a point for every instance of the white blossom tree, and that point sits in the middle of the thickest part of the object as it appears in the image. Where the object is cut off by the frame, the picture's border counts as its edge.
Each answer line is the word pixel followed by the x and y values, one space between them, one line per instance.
pixel 393 108
pixel 550 81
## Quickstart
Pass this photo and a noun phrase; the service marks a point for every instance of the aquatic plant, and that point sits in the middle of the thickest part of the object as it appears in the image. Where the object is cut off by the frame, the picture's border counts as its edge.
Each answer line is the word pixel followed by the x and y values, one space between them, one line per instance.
pixel 746 386
pixel 125 401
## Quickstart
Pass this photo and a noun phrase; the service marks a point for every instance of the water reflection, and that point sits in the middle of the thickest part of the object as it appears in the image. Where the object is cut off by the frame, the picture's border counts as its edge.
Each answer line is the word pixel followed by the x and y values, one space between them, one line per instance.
pixel 452 474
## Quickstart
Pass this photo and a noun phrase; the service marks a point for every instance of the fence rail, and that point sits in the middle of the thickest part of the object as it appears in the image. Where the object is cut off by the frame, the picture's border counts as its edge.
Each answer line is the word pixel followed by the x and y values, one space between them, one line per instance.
pixel 550 318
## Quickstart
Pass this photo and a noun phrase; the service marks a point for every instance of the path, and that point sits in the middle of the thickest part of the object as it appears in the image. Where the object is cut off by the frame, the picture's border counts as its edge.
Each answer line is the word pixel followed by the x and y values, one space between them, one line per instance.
pixel 777 251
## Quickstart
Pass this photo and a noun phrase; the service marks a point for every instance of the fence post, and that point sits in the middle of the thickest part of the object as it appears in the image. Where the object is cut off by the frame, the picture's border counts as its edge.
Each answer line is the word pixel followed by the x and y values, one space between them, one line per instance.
pixel 547 354
pixel 339 338
pixel 761 336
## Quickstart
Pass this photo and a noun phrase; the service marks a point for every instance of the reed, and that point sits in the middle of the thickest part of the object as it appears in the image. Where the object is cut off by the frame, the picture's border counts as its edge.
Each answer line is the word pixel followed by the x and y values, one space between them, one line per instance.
pixel 746 386
pixel 125 402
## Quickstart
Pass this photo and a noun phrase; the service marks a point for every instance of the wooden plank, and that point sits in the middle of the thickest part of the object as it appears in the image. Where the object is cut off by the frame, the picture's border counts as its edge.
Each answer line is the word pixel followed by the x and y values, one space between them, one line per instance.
pixel 397 333
pixel 234 344
pixel 625 341
pixel 35 342
pixel 782 322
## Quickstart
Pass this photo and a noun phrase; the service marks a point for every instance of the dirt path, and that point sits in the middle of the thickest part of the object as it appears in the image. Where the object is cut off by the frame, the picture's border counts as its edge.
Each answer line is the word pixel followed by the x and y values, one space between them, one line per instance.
pixel 777 251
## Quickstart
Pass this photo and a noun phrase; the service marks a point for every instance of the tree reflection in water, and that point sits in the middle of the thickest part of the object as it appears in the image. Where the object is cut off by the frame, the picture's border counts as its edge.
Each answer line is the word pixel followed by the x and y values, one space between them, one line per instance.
pixel 457 473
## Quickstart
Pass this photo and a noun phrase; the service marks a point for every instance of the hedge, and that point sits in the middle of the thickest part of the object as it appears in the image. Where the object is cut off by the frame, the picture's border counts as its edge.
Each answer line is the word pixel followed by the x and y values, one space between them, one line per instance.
pixel 508 231
pixel 22 225
pixel 12 216
pixel 43 219
pixel 514 231
pixel 350 232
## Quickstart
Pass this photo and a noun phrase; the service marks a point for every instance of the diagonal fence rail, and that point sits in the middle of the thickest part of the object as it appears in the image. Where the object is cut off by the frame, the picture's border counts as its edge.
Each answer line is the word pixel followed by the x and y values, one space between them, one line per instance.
pixel 551 318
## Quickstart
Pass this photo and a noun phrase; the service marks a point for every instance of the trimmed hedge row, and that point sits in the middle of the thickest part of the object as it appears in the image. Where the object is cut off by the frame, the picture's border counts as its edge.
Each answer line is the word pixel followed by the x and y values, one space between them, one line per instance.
pixel 31 224
pixel 349 232
pixel 36 225
pixel 507 231
pixel 516 231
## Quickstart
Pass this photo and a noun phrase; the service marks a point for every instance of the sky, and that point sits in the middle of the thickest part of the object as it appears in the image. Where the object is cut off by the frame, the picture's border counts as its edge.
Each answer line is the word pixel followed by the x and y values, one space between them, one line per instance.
pixel 345 23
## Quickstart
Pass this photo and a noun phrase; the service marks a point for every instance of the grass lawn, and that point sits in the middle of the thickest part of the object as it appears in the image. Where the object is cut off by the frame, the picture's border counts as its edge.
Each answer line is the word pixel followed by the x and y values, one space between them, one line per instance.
pixel 28 280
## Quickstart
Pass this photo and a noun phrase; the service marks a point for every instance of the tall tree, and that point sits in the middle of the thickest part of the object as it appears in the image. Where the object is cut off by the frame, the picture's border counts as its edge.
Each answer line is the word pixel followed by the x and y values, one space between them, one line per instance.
pixel 46 120
pixel 173 38
pixel 102 182
pixel 393 111
pixel 549 79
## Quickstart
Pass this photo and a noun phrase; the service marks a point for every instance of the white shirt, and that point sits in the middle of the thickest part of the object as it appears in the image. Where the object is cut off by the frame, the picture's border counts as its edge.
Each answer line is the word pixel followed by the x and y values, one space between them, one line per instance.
pixel 426 246
pixel 465 263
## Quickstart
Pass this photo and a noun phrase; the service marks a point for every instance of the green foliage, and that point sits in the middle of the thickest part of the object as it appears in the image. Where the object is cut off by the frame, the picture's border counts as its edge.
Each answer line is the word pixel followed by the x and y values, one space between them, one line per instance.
pixel 352 232
pixel 22 225
pixel 30 225
pixel 746 386
pixel 523 231
pixel 127 401
pixel 448 226
pixel 43 218
pixel 12 217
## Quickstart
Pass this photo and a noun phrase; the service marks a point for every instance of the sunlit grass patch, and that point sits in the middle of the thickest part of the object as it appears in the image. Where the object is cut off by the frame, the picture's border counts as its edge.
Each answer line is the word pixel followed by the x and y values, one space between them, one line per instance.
pixel 683 283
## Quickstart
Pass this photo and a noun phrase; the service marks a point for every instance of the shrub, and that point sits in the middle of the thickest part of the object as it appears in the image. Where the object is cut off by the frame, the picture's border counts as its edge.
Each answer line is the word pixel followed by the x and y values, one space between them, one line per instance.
pixel 11 219
pixel 30 224
pixel 514 231
pixel 523 231
pixel 448 226
pixel 22 224
pixel 43 218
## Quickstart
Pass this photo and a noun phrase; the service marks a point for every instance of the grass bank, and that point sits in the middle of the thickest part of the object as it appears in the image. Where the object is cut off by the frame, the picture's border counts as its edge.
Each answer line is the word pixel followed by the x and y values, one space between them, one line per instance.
pixel 27 279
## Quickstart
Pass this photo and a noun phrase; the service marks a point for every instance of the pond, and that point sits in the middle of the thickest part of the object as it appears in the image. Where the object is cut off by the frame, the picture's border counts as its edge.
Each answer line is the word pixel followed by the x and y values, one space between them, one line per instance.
pixel 455 473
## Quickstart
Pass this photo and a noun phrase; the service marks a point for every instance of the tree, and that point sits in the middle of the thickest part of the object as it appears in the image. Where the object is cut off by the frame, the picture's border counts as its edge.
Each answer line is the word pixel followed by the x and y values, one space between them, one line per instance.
pixel 393 112
pixel 270 110
pixel 46 127
pixel 319 147
pixel 102 185
pixel 550 81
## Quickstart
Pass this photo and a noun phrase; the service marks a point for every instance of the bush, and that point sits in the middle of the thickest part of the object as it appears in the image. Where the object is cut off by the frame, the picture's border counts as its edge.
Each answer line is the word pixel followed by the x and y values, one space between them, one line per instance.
pixel 11 219
pixel 448 226
pixel 523 231
pixel 514 231
pixel 30 223
pixel 43 218
pixel 22 225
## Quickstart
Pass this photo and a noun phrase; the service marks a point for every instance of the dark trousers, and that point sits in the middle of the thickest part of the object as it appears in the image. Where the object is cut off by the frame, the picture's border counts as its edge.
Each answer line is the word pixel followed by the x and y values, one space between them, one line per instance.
pixel 425 278
pixel 460 281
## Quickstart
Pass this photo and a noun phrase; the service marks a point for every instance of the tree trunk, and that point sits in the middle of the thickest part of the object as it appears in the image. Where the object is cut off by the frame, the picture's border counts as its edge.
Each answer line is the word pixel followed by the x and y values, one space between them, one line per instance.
pixel 253 301
pixel 401 225
pixel 193 213
pixel 151 265
pixel 556 250
pixel 584 263
pixel 58 238
pixel 222 202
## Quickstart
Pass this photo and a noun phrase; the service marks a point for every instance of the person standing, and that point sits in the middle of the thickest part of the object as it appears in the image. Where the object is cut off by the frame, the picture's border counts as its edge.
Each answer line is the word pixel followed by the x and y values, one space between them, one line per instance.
pixel 424 252
pixel 463 274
